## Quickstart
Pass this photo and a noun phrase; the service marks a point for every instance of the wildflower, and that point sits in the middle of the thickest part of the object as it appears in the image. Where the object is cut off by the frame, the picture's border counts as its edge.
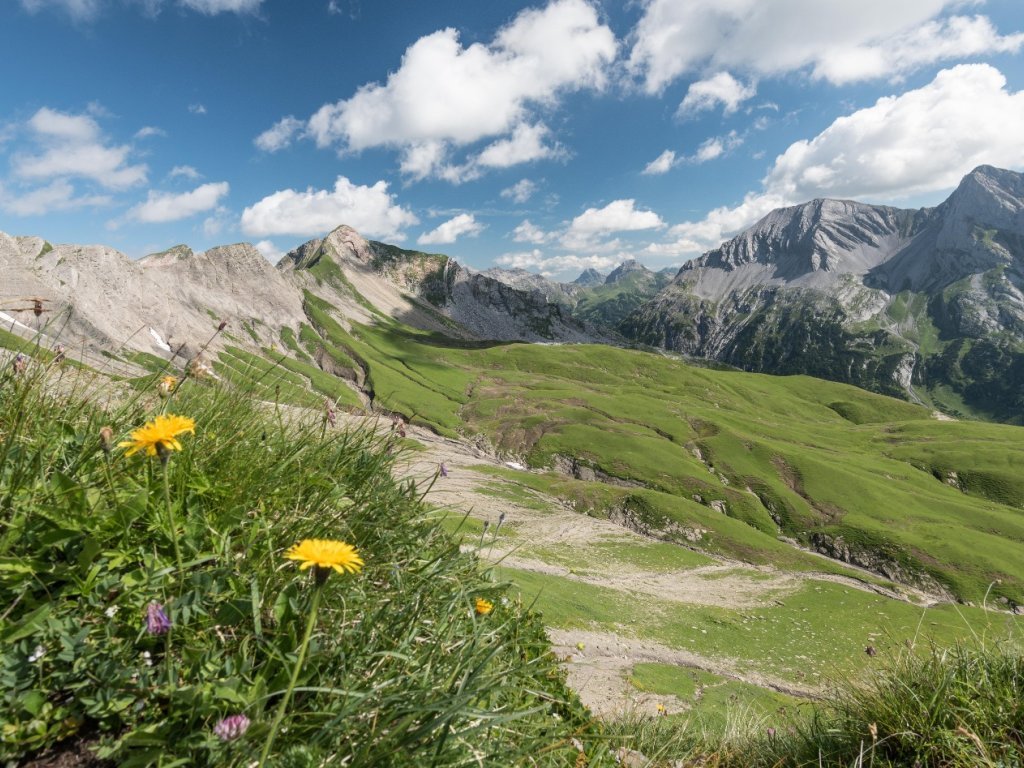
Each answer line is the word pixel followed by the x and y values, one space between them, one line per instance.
pixel 159 436
pixel 157 620
pixel 37 654
pixel 771 733
pixel 20 363
pixel 329 413
pixel 324 554
pixel 111 612
pixel 483 607
pixel 147 658
pixel 442 469
pixel 661 709
pixel 106 439
pixel 230 728
pixel 167 386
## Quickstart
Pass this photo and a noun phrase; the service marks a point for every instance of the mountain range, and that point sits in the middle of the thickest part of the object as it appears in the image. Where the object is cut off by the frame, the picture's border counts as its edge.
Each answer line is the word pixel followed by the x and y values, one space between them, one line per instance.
pixel 925 304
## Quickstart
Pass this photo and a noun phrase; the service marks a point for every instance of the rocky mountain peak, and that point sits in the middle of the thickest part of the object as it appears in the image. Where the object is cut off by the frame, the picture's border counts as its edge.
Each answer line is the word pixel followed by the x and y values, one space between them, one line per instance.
pixel 347 242
pixel 589 277
pixel 989 197
pixel 626 268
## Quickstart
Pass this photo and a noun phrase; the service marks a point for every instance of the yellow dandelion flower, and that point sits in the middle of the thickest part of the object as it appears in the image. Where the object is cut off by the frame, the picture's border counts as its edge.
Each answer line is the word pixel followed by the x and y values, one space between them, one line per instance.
pixel 167 385
pixel 326 553
pixel 483 607
pixel 159 435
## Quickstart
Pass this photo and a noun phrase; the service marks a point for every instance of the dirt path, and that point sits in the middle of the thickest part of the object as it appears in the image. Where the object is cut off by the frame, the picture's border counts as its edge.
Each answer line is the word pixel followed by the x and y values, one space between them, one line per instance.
pixel 600 672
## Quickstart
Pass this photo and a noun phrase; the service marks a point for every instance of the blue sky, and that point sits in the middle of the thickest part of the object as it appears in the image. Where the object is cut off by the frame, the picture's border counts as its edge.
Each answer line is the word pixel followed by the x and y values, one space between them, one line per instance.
pixel 551 135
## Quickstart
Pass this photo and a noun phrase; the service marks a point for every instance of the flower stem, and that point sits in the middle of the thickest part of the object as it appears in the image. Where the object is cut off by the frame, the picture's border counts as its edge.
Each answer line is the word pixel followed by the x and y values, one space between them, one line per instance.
pixel 283 706
pixel 173 523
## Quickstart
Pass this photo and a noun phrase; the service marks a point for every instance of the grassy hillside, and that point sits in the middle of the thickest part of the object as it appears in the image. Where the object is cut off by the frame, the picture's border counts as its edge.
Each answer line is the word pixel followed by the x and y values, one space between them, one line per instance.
pixel 151 614
pixel 726 461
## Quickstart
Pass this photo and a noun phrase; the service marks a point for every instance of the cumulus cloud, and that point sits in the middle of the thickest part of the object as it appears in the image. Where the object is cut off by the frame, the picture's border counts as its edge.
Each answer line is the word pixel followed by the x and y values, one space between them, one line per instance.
pixel 707 94
pixel 451 230
pixel 213 7
pixel 161 207
pixel 617 216
pixel 838 42
pixel 551 266
pixel 663 163
pixel 185 171
pixel 922 141
pixel 446 95
pixel 78 10
pixel 520 192
pixel 58 195
pixel 371 210
pixel 528 233
pixel 87 10
pixel 715 147
pixel 527 143
pixel 270 251
pixel 149 130
pixel 279 135
pixel 73 146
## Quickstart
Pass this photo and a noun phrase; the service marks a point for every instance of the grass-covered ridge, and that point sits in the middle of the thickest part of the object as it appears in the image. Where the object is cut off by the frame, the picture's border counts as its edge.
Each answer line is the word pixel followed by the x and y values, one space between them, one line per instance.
pixel 403 668
pixel 735 459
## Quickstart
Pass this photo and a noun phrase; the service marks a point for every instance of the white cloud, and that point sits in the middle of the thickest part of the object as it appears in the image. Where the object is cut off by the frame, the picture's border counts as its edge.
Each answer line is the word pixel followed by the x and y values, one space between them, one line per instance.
pixel 715 147
pixel 279 135
pixel 617 216
pixel 197 109
pixel 550 266
pixel 185 171
pixel 707 94
pixel 78 10
pixel 451 230
pixel 837 41
pixel 661 164
pixel 370 210
pixel 160 207
pixel 58 195
pixel 216 224
pixel 446 95
pixel 73 146
pixel 520 192
pixel 270 251
pixel 524 145
pixel 213 7
pixel 922 141
pixel 149 130
pixel 528 233
pixel 86 10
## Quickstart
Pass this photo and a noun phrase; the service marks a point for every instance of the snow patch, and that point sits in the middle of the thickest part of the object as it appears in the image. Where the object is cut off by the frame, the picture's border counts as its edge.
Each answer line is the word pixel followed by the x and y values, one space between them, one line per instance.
pixel 11 321
pixel 159 340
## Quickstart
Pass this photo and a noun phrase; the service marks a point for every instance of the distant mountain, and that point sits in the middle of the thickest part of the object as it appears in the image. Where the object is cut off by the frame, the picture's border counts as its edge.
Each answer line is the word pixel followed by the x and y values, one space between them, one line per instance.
pixel 925 303
pixel 165 304
pixel 599 302
pixel 588 278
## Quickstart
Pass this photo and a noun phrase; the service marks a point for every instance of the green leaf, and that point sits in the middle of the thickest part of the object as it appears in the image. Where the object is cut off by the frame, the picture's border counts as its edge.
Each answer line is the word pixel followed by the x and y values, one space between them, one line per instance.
pixel 28 625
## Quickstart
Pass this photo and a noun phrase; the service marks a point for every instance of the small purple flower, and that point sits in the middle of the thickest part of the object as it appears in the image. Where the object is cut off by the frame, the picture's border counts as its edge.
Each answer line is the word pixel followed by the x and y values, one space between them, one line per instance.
pixel 444 470
pixel 771 733
pixel 157 620
pixel 230 728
